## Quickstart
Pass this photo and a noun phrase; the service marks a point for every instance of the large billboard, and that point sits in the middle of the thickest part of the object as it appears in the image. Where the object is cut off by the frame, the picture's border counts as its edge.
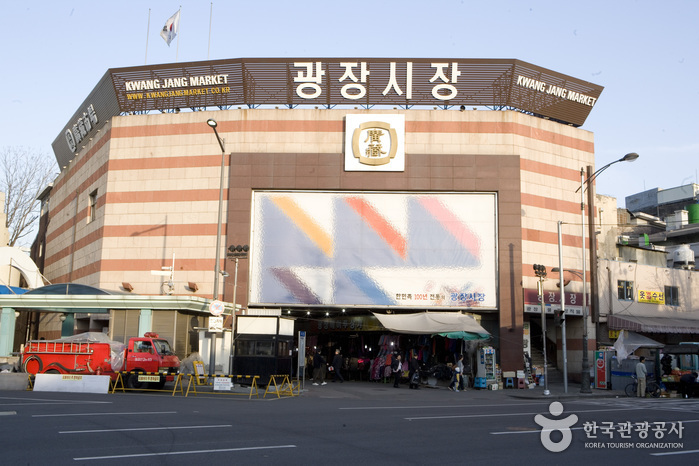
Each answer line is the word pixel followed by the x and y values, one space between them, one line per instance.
pixel 374 249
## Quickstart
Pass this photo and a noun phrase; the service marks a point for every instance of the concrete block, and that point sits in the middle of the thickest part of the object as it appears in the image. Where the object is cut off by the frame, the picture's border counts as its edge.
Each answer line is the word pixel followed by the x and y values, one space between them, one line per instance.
pixel 13 381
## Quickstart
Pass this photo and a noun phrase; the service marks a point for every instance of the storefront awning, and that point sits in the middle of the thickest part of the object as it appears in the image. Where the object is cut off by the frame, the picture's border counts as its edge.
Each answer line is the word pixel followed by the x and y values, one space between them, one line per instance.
pixel 450 324
pixel 653 324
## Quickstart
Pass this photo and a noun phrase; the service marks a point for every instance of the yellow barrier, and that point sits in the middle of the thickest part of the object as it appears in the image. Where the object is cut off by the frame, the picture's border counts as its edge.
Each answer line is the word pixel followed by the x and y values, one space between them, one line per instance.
pixel 30 382
pixel 194 380
pixel 118 383
pixel 286 387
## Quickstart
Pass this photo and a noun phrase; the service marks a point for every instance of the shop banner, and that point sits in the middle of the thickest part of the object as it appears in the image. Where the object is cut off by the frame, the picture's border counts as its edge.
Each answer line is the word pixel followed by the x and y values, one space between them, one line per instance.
pixel 374 249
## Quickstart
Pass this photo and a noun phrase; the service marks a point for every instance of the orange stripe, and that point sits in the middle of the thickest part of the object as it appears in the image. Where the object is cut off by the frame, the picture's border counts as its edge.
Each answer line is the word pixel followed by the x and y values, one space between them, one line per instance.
pixel 305 223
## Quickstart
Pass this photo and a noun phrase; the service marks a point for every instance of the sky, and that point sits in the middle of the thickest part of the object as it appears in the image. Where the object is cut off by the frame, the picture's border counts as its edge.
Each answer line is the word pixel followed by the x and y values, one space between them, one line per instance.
pixel 644 53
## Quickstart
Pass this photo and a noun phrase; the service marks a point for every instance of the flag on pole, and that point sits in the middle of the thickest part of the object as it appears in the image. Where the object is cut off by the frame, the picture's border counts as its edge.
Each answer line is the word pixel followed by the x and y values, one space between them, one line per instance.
pixel 171 28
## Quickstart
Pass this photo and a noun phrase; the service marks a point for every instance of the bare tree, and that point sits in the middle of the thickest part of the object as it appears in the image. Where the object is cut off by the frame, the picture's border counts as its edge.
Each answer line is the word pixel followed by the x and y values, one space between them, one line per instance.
pixel 25 172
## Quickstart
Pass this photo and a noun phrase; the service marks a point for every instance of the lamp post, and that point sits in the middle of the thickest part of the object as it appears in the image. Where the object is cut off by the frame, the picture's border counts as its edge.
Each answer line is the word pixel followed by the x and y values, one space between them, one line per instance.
pixel 540 272
pixel 561 284
pixel 217 266
pixel 585 375
pixel 238 252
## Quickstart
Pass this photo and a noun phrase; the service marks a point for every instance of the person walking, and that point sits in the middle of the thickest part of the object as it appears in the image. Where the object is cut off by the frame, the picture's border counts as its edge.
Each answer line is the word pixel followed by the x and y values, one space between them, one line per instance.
pixel 641 373
pixel 337 367
pixel 414 375
pixel 318 369
pixel 460 366
pixel 396 368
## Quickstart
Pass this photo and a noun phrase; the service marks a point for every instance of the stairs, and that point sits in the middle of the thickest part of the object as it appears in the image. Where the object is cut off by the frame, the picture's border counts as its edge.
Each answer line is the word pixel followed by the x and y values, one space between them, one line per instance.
pixel 555 376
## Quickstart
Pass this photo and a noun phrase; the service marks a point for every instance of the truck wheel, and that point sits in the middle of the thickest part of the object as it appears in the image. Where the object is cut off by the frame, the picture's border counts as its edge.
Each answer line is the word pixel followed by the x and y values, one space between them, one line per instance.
pixel 32 365
pixel 132 382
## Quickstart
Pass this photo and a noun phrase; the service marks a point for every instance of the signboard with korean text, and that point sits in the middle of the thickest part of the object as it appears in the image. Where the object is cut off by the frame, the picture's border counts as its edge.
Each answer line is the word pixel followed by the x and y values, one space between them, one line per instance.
pixel 366 82
pixel 374 249
pixel 651 297
pixel 552 301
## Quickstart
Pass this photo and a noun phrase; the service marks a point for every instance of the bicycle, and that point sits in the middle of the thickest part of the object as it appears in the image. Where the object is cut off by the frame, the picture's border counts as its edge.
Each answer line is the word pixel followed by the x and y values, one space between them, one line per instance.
pixel 652 388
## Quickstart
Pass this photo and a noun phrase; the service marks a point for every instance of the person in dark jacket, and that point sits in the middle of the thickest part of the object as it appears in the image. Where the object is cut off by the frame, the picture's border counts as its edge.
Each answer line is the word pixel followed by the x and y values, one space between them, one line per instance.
pixel 688 383
pixel 414 371
pixel 396 368
pixel 318 369
pixel 337 366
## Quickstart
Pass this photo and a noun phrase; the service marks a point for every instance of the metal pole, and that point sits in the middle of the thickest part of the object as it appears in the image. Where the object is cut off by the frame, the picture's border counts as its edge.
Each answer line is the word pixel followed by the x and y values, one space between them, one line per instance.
pixel 563 308
pixel 543 330
pixel 235 290
pixel 585 375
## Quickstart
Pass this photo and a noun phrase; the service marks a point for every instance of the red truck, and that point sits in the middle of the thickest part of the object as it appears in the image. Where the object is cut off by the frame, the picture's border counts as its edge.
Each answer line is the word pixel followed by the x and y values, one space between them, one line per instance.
pixel 94 353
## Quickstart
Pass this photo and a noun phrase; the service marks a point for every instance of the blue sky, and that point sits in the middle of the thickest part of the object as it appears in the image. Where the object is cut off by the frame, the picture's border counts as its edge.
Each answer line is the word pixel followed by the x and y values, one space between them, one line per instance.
pixel 643 52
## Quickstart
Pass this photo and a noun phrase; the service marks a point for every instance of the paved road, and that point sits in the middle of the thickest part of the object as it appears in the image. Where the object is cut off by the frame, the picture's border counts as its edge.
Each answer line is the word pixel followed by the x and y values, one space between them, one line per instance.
pixel 350 423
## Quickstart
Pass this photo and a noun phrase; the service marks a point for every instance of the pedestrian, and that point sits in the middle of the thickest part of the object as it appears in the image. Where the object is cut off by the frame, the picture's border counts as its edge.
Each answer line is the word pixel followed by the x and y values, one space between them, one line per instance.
pixel 456 380
pixel 337 366
pixel 318 369
pixel 641 373
pixel 414 375
pixel 688 383
pixel 396 368
pixel 460 366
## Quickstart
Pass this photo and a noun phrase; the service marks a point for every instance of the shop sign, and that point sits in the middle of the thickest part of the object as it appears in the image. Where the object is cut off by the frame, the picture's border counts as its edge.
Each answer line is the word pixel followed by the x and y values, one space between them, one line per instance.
pixel 374 143
pixel 81 128
pixel 531 296
pixel 651 297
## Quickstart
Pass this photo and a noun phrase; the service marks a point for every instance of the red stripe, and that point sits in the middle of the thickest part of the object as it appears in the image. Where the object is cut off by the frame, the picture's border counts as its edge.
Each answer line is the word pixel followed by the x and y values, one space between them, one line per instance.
pixel 379 224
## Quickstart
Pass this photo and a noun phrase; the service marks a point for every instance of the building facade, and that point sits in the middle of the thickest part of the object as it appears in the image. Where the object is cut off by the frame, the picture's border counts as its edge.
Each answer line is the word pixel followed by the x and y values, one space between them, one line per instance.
pixel 453 222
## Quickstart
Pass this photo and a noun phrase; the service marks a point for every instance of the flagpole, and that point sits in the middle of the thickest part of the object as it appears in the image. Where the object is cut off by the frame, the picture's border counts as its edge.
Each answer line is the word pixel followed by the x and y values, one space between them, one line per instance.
pixel 147 34
pixel 177 54
pixel 211 15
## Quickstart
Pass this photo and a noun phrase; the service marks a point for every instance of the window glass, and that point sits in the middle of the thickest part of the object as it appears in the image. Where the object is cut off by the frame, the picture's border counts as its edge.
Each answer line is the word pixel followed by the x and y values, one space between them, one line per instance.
pixel 625 290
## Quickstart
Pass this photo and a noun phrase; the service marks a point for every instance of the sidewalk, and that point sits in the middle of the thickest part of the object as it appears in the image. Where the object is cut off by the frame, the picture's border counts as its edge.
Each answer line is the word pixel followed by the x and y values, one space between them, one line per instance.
pixel 557 392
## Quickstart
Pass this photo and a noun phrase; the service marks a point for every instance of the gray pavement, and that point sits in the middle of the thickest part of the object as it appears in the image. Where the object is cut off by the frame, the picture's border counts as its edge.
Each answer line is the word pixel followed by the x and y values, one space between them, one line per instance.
pixel 369 390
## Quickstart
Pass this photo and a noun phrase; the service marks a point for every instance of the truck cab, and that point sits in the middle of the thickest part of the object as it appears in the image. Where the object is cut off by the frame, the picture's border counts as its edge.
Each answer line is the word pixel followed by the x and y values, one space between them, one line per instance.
pixel 153 356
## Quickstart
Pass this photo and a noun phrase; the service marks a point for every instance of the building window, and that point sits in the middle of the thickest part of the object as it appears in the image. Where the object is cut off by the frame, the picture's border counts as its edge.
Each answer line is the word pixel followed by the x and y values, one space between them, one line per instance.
pixel 625 290
pixel 672 296
pixel 92 206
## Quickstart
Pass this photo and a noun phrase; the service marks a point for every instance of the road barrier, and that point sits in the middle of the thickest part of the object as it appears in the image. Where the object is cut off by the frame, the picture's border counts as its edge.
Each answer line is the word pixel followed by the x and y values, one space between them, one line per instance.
pixel 196 379
pixel 145 378
pixel 285 387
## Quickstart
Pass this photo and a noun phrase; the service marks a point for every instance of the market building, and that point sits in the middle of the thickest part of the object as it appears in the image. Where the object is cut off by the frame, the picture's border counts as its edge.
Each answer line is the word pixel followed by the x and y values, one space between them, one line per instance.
pixel 361 186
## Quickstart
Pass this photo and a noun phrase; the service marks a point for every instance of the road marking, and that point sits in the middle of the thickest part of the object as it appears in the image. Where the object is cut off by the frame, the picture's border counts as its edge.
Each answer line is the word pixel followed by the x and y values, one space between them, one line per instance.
pixel 8 413
pixel 511 414
pixel 682 452
pixel 141 428
pixel 104 414
pixel 190 452
pixel 443 406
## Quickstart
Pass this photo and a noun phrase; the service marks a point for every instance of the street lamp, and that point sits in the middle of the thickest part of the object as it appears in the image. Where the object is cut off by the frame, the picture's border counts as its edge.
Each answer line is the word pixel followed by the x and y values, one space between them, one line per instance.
pixel 585 375
pixel 540 271
pixel 217 266
pixel 561 285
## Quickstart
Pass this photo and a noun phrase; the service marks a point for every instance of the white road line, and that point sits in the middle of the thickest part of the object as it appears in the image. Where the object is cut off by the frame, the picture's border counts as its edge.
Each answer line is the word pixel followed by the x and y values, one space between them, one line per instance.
pixel 668 453
pixel 190 452
pixel 512 414
pixel 103 414
pixel 141 428
pixel 8 413
pixel 442 406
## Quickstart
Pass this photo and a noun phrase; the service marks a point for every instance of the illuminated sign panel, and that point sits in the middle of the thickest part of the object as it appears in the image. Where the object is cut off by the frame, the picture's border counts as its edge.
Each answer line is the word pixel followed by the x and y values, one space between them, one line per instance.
pixel 406 82
pixel 374 249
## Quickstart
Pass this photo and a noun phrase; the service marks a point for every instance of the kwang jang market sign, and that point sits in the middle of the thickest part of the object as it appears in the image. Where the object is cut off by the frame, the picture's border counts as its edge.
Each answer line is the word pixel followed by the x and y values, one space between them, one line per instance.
pixel 497 84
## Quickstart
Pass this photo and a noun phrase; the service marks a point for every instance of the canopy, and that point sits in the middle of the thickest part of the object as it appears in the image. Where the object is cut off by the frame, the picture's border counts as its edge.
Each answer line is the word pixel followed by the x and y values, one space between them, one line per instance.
pixel 449 324
pixel 629 341
pixel 653 324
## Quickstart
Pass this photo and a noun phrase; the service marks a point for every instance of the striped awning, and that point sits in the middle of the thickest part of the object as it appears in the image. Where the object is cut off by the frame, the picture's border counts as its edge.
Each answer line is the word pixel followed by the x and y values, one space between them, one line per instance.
pixel 653 324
